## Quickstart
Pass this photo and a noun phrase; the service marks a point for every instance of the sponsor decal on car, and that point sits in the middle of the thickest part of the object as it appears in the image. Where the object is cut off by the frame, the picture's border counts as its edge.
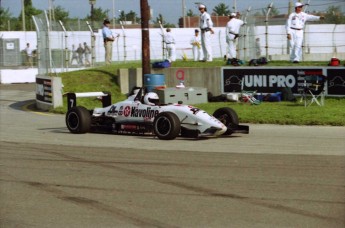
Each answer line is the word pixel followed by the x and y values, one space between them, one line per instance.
pixel 127 111
pixel 145 113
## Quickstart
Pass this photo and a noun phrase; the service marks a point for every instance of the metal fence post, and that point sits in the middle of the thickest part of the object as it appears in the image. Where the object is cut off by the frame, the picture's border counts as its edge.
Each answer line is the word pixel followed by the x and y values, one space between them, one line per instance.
pixel 245 36
pixel 66 47
pixel 124 42
pixel 266 28
pixel 93 41
pixel 38 52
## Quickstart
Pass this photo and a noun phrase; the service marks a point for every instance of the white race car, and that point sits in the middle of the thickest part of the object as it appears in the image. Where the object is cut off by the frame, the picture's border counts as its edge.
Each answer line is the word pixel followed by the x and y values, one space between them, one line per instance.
pixel 143 115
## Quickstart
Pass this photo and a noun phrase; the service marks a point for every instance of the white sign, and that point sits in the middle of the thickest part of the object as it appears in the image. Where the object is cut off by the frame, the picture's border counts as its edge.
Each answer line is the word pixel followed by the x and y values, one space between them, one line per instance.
pixel 10 46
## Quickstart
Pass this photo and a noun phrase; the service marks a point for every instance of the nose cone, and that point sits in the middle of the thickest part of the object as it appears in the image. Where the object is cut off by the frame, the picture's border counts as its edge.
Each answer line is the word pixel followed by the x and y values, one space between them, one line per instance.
pixel 222 129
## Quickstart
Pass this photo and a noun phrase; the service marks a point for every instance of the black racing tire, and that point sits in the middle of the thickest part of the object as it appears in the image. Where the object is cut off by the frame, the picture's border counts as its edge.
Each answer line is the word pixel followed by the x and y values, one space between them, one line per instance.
pixel 228 117
pixel 167 126
pixel 78 120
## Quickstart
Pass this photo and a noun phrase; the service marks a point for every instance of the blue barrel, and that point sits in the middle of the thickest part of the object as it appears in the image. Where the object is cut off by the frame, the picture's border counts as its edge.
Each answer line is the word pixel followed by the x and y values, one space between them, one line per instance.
pixel 152 81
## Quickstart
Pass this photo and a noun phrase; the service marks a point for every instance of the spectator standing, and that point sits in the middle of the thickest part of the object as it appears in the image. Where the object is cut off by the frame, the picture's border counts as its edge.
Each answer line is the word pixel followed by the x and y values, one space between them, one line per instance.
pixel 108 39
pixel 257 47
pixel 196 45
pixel 232 33
pixel 29 55
pixel 80 51
pixel 206 27
pixel 74 55
pixel 170 44
pixel 294 29
pixel 87 52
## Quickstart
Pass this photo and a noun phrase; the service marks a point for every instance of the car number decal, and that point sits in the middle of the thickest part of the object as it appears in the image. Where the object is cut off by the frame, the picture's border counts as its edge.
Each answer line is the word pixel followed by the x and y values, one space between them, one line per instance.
pixel 194 110
pixel 112 111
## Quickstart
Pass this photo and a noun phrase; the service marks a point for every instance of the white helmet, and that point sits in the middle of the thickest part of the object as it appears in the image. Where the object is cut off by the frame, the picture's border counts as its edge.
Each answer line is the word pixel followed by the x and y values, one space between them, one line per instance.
pixel 151 98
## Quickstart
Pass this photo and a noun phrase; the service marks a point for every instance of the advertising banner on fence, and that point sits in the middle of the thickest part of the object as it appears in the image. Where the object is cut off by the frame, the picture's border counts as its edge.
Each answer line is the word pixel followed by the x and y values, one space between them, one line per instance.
pixel 336 81
pixel 271 80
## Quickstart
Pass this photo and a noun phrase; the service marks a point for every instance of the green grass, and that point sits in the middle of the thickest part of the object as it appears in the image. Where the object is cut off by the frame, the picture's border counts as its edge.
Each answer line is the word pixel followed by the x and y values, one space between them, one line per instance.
pixel 286 113
pixel 103 78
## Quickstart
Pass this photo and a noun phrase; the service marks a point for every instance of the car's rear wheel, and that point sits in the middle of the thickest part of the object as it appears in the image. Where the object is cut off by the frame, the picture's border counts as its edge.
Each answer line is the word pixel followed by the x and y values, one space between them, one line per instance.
pixel 78 120
pixel 167 126
pixel 228 117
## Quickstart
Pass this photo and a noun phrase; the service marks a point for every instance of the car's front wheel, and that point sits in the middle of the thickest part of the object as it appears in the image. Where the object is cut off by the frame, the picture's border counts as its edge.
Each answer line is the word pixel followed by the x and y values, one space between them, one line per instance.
pixel 167 126
pixel 78 120
pixel 228 117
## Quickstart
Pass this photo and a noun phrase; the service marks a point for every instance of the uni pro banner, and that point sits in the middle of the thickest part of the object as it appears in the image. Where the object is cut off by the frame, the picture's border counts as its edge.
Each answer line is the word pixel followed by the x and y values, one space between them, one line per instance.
pixel 266 80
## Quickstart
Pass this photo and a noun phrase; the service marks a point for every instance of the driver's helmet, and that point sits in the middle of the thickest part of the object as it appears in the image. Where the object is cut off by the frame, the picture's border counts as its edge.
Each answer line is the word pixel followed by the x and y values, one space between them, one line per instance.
pixel 151 98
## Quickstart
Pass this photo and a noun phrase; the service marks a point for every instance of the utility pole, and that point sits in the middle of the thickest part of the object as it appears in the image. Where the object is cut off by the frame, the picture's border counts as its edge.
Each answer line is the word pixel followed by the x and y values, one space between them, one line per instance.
pixel 92 3
pixel 145 38
pixel 184 13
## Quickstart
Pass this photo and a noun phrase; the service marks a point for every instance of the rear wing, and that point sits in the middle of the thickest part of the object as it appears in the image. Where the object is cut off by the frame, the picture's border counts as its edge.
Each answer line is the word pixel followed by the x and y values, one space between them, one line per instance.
pixel 105 97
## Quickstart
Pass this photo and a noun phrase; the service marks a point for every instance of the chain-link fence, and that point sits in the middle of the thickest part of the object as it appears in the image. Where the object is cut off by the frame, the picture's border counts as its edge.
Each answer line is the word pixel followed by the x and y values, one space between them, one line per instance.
pixel 265 35
pixel 262 35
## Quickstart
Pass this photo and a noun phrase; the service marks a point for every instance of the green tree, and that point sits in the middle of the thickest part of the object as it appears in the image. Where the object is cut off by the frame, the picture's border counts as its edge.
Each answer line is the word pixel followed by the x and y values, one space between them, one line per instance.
pixel 132 16
pixel 98 14
pixel 221 9
pixel 29 11
pixel 190 13
pixel 164 23
pixel 122 16
pixel 158 19
pixel 334 15
pixel 169 25
pixel 61 14
pixel 5 16
pixel 274 11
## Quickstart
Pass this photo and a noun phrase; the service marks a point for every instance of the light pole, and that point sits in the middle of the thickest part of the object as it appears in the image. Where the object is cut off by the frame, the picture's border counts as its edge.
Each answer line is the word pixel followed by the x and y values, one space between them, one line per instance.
pixel 114 14
pixel 92 2
pixel 23 15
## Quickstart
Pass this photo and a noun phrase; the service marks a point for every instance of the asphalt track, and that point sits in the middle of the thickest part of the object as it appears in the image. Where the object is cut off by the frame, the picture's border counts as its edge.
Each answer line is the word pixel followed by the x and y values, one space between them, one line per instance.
pixel 277 176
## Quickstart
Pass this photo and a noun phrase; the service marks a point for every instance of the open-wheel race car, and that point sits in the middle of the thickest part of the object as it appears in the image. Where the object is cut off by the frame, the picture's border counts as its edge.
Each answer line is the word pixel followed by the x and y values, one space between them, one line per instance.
pixel 142 114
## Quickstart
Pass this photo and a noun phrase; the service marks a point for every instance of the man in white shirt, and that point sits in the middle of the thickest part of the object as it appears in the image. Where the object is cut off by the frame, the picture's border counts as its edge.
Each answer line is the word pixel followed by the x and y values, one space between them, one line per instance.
pixel 170 45
pixel 29 55
pixel 206 27
pixel 196 45
pixel 232 33
pixel 294 29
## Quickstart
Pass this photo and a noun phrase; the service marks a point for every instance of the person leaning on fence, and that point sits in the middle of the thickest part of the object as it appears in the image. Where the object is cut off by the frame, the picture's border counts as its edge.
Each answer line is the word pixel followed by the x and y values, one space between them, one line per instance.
pixel 232 33
pixel 170 44
pixel 87 52
pixel 108 39
pixel 294 29
pixel 196 46
pixel 29 55
pixel 74 55
pixel 80 51
pixel 206 27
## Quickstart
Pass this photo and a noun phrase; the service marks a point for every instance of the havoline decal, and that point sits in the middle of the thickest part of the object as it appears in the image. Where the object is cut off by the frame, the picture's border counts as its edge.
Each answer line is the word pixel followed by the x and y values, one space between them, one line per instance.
pixel 145 113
